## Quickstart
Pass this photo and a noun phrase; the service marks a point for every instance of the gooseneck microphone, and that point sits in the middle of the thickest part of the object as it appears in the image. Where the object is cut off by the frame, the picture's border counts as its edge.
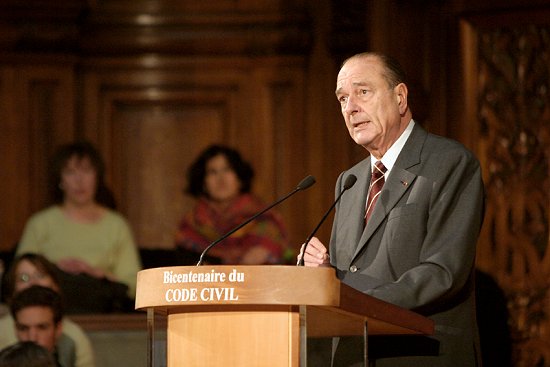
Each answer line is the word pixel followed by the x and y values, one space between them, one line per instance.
pixel 350 181
pixel 304 184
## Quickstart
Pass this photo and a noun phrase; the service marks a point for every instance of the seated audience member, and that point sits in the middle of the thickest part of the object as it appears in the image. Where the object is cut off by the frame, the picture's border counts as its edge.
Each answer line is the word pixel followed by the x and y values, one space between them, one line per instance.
pixel 38 315
pixel 81 232
pixel 26 354
pixel 221 181
pixel 31 269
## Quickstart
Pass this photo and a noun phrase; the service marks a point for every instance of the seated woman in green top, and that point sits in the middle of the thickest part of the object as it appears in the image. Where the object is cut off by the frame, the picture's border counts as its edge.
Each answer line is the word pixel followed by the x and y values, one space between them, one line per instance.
pixel 81 233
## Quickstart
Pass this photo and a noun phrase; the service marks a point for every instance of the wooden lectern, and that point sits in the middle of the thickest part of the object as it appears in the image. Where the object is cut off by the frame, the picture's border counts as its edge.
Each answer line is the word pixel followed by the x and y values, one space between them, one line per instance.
pixel 260 315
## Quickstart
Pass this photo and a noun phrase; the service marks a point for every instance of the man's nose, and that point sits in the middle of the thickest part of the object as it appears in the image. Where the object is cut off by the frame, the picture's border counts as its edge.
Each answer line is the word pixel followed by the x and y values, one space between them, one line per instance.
pixel 351 106
pixel 32 335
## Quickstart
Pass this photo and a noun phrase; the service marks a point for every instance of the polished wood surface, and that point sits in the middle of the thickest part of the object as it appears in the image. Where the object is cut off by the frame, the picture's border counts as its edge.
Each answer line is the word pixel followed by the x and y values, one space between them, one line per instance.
pixel 235 338
pixel 250 284
pixel 252 315
pixel 274 286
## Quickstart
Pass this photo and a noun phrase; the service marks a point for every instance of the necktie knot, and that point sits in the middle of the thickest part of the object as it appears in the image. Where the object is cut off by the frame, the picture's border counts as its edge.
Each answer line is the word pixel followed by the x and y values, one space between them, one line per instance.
pixel 375 187
pixel 378 170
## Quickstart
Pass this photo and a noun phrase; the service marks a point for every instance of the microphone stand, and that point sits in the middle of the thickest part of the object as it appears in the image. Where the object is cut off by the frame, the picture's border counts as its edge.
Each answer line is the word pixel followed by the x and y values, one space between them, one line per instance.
pixel 350 181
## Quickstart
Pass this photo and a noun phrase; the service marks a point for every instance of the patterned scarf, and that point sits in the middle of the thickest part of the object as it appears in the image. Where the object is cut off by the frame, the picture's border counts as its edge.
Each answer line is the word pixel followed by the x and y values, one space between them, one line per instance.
pixel 204 224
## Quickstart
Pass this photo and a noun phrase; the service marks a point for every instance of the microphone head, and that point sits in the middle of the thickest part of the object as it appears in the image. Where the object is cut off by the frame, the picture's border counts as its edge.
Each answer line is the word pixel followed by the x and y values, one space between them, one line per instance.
pixel 350 181
pixel 306 183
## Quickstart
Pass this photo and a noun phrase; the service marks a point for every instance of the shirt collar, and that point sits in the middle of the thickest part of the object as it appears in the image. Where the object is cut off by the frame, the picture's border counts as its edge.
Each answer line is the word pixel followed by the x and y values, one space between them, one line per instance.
pixel 391 155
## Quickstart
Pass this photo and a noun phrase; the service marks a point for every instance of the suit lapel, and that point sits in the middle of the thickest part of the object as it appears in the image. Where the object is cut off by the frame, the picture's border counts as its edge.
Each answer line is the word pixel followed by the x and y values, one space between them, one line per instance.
pixel 353 209
pixel 399 181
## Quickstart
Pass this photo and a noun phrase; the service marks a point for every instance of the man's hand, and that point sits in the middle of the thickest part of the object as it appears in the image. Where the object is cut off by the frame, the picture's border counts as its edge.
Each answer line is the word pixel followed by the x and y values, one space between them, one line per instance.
pixel 316 254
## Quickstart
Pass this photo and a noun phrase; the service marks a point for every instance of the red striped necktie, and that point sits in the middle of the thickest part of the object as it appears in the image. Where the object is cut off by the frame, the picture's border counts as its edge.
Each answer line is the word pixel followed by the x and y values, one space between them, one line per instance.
pixel 376 183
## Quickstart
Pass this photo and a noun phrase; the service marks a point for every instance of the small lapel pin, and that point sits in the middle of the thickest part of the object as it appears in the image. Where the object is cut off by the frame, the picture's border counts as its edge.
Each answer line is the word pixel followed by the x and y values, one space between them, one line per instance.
pixel 404 183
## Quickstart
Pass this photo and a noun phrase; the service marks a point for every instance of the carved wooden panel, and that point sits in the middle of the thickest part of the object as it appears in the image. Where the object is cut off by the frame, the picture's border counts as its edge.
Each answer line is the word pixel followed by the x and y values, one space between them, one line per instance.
pixel 509 89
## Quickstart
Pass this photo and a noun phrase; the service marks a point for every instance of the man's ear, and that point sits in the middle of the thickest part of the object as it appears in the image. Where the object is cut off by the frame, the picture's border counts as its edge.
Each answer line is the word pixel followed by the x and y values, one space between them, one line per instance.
pixel 401 93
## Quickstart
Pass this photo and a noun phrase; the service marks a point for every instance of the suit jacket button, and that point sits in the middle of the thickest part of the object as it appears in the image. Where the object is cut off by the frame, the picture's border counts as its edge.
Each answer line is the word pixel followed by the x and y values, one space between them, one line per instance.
pixel 353 268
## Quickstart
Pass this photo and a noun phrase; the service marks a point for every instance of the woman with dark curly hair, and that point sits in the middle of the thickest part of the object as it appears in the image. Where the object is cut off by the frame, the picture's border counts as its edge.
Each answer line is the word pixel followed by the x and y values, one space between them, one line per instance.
pixel 221 182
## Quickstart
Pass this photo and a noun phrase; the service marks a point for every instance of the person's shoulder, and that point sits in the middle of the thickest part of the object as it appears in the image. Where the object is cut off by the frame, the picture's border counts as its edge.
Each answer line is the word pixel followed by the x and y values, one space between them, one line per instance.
pixel 73 330
pixel 7 325
pixel 113 216
pixel 50 213
pixel 360 167
pixel 439 140
pixel 115 222
pixel 446 147
pixel 4 310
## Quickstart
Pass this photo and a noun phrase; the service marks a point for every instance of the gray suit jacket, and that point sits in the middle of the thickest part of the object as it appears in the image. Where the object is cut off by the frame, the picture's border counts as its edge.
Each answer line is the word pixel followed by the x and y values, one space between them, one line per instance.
pixel 418 248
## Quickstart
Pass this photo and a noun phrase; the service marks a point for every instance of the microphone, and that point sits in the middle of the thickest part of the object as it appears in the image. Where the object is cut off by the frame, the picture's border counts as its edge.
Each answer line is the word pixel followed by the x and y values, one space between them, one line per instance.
pixel 350 181
pixel 304 184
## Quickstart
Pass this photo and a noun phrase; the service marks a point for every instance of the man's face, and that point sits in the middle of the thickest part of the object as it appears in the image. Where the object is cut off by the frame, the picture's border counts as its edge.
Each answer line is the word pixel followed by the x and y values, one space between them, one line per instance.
pixel 36 324
pixel 371 108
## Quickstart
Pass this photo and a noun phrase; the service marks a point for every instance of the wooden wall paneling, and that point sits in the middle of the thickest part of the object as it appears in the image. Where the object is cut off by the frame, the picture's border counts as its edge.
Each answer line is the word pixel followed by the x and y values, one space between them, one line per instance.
pixel 284 112
pixel 254 135
pixel 105 77
pixel 170 27
pixel 153 140
pixel 51 121
pixel 152 124
pixel 246 46
pixel 468 87
pixel 212 6
pixel 36 68
pixel 418 45
pixel 39 116
pixel 271 132
pixel 14 162
pixel 508 109
pixel 329 148
pixel 175 135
